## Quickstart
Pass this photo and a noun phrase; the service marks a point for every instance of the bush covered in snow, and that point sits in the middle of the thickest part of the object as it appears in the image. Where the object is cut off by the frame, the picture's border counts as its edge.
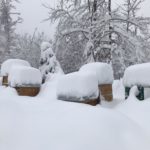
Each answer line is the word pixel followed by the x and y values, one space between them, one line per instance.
pixel 137 75
pixel 24 76
pixel 103 71
pixel 48 62
pixel 78 87
pixel 8 64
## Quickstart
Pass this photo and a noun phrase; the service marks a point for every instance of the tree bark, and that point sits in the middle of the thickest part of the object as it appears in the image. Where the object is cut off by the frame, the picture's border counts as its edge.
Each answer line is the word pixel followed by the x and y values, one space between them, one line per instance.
pixel 109 10
pixel 110 28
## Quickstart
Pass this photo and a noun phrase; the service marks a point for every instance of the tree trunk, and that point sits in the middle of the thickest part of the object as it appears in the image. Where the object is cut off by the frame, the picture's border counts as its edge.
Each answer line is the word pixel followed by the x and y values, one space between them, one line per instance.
pixel 109 10
pixel 95 6
pixel 110 28
pixel 128 14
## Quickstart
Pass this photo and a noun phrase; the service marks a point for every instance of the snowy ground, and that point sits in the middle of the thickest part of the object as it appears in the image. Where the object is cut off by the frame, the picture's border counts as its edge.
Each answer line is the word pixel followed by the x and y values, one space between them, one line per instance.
pixel 45 123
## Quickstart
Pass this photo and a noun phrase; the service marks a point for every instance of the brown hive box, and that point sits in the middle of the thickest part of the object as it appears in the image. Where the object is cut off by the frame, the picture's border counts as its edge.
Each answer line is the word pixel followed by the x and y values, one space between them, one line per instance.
pixel 5 81
pixel 27 91
pixel 106 91
pixel 92 102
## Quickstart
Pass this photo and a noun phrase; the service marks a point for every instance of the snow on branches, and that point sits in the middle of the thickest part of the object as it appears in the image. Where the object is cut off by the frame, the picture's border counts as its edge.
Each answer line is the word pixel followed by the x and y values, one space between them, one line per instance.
pixel 101 27
pixel 48 61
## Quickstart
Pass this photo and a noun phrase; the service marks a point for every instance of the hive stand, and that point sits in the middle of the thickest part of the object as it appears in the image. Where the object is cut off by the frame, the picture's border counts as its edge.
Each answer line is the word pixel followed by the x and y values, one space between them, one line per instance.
pixel 140 96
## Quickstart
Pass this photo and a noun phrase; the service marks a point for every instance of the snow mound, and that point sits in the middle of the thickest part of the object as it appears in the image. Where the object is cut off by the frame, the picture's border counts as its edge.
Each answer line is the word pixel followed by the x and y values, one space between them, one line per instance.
pixel 137 75
pixel 8 64
pixel 77 87
pixel 23 75
pixel 104 72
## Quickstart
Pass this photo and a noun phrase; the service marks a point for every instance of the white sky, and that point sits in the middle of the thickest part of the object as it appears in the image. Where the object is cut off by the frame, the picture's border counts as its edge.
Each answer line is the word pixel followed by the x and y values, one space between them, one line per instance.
pixel 33 13
pixel 145 7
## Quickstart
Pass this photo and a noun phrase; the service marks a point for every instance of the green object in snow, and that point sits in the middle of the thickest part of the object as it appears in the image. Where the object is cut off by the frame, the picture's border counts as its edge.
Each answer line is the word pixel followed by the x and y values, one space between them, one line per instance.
pixel 141 93
pixel 140 96
pixel 127 92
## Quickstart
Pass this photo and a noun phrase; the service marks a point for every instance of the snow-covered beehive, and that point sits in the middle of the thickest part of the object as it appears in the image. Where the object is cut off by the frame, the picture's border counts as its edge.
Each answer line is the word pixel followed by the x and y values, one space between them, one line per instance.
pixel 7 65
pixel 78 87
pixel 26 80
pixel 104 75
pixel 137 75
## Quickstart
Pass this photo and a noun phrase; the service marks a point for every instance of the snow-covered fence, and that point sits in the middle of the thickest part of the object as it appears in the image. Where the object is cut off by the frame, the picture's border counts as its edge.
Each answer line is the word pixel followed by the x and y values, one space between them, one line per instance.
pixel 78 87
pixel 137 75
pixel 104 75
pixel 7 65
pixel 26 80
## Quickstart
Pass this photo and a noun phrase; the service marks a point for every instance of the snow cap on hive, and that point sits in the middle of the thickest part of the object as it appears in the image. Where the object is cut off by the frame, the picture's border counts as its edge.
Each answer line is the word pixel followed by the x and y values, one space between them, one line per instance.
pixel 137 75
pixel 8 64
pixel 103 71
pixel 77 87
pixel 24 76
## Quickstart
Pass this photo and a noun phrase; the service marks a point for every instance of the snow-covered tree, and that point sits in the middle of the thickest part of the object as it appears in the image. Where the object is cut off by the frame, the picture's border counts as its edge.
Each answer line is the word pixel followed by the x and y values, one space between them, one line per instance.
pixel 135 49
pixel 104 30
pixel 8 13
pixel 29 47
pixel 84 18
pixel 69 52
pixel 9 18
pixel 48 61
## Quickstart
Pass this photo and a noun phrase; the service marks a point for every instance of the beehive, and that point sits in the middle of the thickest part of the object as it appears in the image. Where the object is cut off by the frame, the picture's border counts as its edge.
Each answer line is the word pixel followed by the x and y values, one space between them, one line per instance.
pixel 106 91
pixel 27 91
pixel 5 81
pixel 92 102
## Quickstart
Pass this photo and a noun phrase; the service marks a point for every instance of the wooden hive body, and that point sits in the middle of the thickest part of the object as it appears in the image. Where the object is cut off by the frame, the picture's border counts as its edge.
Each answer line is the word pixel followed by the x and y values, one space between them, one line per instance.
pixel 28 91
pixel 5 81
pixel 106 91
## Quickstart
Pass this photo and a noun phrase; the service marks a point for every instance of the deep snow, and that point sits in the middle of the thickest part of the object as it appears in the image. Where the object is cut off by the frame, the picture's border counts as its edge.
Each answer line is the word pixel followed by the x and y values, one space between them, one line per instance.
pixel 44 123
